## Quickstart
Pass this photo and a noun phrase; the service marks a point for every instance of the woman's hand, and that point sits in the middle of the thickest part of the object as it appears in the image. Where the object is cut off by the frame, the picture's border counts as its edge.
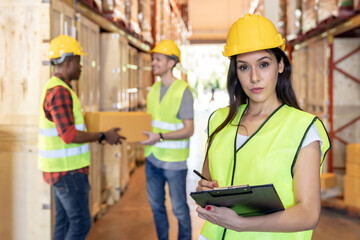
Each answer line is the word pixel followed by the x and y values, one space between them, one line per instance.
pixel 222 216
pixel 204 185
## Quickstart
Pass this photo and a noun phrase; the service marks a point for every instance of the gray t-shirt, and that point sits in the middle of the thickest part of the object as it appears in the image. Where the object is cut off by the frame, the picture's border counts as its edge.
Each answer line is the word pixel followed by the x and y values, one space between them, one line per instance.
pixel 186 111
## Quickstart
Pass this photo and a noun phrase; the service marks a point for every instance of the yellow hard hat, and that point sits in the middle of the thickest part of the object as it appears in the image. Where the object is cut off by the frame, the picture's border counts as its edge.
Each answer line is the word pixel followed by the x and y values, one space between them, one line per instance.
pixel 63 46
pixel 251 33
pixel 167 47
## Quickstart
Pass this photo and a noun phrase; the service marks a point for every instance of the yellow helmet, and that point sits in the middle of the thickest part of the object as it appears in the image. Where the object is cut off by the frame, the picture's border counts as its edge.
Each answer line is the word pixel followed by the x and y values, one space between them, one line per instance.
pixel 63 46
pixel 167 47
pixel 251 33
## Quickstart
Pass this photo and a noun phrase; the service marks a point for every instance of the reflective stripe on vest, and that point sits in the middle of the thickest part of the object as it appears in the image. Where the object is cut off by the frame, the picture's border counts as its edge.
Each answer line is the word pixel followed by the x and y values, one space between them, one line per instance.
pixel 52 132
pixel 280 138
pixel 166 125
pixel 164 120
pixel 172 144
pixel 63 153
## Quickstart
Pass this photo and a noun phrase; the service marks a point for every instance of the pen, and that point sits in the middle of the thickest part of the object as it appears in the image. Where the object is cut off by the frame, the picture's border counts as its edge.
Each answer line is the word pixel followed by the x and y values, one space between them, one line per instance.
pixel 199 174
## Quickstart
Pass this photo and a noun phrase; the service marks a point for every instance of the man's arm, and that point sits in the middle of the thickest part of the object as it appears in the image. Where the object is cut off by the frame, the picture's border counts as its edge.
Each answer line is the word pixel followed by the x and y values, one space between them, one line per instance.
pixel 186 114
pixel 183 133
pixel 111 136
pixel 58 107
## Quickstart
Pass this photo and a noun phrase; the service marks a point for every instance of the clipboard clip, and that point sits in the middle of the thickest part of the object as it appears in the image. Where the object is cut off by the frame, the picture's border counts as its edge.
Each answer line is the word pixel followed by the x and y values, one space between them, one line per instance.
pixel 232 187
pixel 231 190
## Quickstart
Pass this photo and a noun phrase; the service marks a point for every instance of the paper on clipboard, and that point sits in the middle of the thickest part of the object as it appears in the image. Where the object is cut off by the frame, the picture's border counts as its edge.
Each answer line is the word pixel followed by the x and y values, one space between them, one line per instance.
pixel 244 200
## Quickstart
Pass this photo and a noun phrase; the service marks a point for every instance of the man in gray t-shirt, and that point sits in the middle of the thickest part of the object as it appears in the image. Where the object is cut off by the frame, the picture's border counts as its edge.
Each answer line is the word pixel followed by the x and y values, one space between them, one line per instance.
pixel 186 111
pixel 170 102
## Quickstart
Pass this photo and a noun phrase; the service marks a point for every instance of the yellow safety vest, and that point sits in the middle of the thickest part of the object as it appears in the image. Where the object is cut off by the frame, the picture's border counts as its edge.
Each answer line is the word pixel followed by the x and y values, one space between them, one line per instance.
pixel 53 154
pixel 164 120
pixel 268 156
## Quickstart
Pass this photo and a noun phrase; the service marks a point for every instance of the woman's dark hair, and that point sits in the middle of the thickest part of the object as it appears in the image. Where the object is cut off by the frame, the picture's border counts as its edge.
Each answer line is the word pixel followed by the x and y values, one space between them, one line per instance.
pixel 237 96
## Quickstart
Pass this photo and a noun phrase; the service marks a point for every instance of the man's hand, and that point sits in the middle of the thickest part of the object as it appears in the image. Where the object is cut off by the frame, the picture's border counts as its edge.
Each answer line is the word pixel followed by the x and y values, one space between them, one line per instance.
pixel 153 138
pixel 112 136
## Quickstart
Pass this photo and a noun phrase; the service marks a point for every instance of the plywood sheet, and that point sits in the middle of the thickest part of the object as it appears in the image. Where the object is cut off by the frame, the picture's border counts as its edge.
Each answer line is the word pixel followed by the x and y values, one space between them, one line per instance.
pixel 89 38
pixel 22 73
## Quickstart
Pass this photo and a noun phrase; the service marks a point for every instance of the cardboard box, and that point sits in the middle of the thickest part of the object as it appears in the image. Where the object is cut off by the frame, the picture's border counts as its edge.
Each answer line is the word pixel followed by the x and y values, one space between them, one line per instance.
pixel 352 169
pixel 353 153
pixel 352 191
pixel 328 180
pixel 132 124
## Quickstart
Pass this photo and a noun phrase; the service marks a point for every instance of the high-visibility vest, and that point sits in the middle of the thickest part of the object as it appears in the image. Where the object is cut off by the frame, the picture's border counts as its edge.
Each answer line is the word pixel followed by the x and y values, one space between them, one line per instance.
pixel 164 120
pixel 268 156
pixel 53 154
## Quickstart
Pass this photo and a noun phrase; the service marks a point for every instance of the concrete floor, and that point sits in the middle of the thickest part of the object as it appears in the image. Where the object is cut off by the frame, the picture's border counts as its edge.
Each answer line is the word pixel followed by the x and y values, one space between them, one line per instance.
pixel 131 217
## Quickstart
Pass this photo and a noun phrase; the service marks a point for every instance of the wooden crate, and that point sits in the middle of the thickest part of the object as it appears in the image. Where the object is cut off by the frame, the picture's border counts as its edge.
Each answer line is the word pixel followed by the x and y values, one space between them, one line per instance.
pixel 144 78
pixel 124 58
pixel 134 20
pixel 163 20
pixel 352 191
pixel 95 179
pixel 317 78
pixel 112 171
pixel 133 68
pixel 62 19
pixel 145 22
pixel 115 11
pixel 353 153
pixel 95 5
pixel 353 169
pixel 131 156
pixel 27 27
pixel 308 16
pixel 69 2
pixel 120 10
pixel 125 172
pixel 327 9
pixel 346 100
pixel 293 20
pixel 328 180
pixel 140 153
pixel 113 74
pixel 25 202
pixel 30 26
pixel 353 160
pixel 89 34
pixel 166 20
pixel 25 198
pixel 299 76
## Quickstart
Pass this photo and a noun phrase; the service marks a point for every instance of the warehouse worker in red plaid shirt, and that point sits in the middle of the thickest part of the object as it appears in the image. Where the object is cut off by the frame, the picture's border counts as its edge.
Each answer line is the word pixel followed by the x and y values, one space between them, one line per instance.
pixel 64 152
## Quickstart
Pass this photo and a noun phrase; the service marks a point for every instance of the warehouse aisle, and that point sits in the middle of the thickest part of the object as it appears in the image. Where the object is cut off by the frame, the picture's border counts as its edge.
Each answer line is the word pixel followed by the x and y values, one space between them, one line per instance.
pixel 131 217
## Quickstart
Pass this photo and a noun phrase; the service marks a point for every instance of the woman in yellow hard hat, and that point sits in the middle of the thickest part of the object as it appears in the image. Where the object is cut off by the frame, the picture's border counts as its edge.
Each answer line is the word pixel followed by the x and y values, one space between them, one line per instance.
pixel 263 137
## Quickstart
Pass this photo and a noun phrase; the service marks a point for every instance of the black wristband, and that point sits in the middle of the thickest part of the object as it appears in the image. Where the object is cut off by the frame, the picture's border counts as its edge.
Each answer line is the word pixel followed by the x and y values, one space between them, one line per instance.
pixel 161 137
pixel 101 137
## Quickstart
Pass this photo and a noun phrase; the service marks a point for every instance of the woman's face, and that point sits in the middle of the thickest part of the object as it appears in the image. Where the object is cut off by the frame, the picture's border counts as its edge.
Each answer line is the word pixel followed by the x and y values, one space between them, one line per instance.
pixel 258 73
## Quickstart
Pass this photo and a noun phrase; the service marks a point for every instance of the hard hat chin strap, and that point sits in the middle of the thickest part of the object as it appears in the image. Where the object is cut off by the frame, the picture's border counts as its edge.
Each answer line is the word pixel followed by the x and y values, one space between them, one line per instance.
pixel 61 59
pixel 175 58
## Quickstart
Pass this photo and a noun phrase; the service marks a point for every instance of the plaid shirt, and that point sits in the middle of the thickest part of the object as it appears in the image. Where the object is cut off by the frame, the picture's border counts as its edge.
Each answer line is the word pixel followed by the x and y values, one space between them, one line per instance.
pixel 58 108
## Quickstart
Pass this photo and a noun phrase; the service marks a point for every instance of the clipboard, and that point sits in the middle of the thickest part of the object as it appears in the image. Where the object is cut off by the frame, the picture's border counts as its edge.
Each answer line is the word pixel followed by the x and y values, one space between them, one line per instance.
pixel 245 200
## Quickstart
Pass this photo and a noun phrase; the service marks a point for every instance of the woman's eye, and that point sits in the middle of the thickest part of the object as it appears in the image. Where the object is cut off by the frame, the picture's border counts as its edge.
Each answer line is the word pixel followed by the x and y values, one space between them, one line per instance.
pixel 264 64
pixel 242 67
